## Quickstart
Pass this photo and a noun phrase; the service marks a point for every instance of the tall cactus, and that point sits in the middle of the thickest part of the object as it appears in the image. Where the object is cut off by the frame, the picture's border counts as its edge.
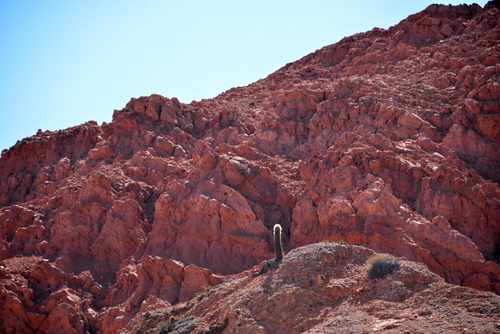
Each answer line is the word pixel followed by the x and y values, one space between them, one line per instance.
pixel 278 247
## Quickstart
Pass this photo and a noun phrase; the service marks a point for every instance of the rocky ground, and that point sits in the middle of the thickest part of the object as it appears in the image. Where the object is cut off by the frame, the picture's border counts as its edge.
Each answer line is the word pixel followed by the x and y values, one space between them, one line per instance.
pixel 323 288
pixel 388 139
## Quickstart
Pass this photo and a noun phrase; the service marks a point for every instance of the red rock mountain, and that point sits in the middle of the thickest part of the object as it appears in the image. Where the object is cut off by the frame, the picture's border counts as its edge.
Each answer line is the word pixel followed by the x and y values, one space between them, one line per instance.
pixel 388 139
pixel 323 288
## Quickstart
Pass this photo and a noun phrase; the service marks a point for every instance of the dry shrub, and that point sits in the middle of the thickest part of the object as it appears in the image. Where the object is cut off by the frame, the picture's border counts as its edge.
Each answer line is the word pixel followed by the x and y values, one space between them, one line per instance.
pixel 379 266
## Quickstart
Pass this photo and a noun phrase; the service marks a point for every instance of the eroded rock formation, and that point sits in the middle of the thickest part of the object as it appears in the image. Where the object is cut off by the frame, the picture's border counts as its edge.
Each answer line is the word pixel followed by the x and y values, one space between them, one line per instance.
pixel 324 288
pixel 387 139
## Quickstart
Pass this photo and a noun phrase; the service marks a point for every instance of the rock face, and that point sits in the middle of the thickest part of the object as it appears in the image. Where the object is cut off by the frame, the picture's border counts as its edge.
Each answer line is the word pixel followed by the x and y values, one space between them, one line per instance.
pixel 324 288
pixel 388 139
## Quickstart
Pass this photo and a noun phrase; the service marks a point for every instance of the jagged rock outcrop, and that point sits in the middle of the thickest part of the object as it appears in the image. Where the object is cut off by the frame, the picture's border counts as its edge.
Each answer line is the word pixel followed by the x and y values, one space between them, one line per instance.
pixel 387 139
pixel 324 288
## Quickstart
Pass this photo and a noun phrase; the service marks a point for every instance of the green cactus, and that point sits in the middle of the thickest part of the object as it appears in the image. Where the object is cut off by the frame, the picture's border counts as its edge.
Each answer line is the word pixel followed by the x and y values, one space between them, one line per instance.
pixel 278 247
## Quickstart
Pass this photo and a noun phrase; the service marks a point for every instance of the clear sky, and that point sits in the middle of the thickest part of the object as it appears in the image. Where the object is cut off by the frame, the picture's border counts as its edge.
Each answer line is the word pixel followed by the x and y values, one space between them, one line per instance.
pixel 63 63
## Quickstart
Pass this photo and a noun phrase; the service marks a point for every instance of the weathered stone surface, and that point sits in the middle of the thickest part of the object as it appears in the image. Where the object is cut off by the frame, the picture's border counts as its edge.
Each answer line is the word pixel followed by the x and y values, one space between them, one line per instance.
pixel 387 139
pixel 212 226
pixel 168 281
pixel 20 165
pixel 323 288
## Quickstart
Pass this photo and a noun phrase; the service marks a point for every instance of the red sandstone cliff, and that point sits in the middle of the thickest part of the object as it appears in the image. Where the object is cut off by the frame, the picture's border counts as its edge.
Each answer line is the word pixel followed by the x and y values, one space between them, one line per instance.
pixel 387 139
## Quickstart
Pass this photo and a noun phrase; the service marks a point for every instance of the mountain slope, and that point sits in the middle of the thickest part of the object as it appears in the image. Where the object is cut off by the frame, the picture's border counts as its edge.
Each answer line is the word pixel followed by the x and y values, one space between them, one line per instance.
pixel 387 139
pixel 323 288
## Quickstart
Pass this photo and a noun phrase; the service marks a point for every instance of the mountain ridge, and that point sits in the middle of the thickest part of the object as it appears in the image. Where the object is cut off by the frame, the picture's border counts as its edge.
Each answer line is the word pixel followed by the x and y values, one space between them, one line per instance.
pixel 387 139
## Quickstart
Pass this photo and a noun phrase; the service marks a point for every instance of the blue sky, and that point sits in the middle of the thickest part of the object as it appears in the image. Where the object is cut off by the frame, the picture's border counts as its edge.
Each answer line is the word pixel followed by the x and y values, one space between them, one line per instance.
pixel 63 63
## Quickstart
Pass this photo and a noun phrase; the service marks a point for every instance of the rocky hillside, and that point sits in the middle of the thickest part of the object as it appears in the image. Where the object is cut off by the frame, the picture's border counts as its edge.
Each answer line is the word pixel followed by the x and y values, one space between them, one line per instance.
pixel 388 139
pixel 323 288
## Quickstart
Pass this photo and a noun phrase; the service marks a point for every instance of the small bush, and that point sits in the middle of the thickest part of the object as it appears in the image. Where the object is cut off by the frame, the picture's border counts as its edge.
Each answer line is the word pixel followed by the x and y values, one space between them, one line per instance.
pixel 381 265
pixel 166 326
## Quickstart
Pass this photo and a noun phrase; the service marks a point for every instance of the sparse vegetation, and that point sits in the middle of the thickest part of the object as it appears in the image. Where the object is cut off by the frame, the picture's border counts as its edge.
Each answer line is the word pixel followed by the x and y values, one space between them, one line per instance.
pixel 278 247
pixel 167 326
pixel 181 324
pixel 205 290
pixel 363 289
pixel 379 266
pixel 163 328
